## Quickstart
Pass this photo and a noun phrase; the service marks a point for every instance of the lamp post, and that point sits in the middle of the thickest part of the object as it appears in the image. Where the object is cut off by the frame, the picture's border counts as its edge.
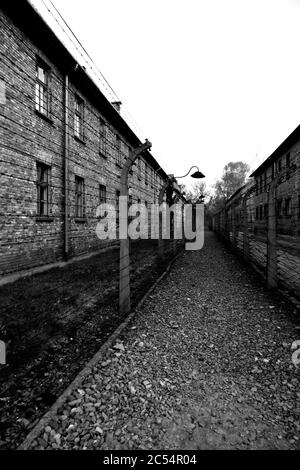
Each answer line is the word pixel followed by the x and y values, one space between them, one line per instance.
pixel 169 184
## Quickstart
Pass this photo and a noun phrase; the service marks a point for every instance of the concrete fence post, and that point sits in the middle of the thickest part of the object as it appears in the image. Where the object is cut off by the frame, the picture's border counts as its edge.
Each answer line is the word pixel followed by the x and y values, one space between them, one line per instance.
pixel 246 244
pixel 124 279
pixel 272 278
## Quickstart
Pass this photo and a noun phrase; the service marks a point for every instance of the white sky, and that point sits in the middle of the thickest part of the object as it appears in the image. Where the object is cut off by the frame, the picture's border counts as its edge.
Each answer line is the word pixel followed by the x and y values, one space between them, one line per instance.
pixel 208 81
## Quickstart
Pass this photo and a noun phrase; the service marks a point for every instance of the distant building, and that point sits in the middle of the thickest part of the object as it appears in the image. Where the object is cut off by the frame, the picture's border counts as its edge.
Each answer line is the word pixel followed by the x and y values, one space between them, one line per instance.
pixel 62 145
pixel 284 165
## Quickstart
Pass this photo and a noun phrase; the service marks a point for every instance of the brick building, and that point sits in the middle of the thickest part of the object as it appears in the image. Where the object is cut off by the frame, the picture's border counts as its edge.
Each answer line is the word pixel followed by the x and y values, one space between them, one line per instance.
pixel 283 169
pixel 62 147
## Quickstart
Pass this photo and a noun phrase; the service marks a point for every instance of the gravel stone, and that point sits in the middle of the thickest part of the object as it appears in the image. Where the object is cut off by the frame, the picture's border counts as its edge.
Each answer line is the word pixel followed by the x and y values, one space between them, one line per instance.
pixel 206 365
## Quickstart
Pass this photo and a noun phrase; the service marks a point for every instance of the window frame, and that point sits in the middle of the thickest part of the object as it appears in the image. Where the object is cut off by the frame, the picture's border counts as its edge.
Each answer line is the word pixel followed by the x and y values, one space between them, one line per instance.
pixel 118 151
pixel 288 207
pixel 79 114
pixel 260 183
pixel 139 169
pixel 40 109
pixel 79 197
pixel 102 137
pixel 102 194
pixel 279 207
pixel 279 165
pixel 42 184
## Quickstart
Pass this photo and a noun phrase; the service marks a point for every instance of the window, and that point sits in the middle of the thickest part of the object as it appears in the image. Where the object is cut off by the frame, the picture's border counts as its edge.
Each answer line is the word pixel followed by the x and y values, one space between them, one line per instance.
pixel 266 211
pixel 288 160
pixel 273 170
pixel 260 212
pixel 102 138
pixel 279 165
pixel 42 88
pixel 139 168
pixel 102 194
pixel 288 207
pixel 118 151
pixel 279 208
pixel 260 183
pixel 78 118
pixel 265 181
pixel 146 173
pixel 151 178
pixel 154 179
pixel 79 197
pixel 43 189
pixel 256 213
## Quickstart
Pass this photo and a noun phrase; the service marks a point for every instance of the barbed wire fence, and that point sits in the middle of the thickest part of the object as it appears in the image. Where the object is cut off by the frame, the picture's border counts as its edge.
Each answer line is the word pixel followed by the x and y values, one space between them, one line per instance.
pixel 262 225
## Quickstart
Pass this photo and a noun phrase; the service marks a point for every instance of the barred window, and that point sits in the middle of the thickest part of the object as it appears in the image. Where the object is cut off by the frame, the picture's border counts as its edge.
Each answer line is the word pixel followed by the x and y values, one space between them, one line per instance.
pixel 151 176
pixel 146 173
pixel 102 194
pixel 79 197
pixel 102 138
pixel 288 207
pixel 139 168
pixel 43 189
pixel 265 181
pixel 42 88
pixel 273 170
pixel 279 165
pixel 260 183
pixel 78 118
pixel 279 208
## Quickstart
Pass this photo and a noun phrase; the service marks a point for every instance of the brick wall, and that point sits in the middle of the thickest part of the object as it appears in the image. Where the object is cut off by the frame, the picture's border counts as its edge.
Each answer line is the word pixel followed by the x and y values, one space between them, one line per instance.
pixel 28 138
pixel 288 187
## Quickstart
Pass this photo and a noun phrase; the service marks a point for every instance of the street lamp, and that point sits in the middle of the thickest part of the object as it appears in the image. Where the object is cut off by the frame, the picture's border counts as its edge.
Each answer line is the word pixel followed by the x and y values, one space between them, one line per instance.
pixel 168 186
pixel 196 175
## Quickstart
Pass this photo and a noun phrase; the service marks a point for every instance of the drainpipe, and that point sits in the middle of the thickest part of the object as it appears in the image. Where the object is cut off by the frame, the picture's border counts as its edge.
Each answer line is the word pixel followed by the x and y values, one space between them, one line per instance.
pixel 66 171
pixel 66 166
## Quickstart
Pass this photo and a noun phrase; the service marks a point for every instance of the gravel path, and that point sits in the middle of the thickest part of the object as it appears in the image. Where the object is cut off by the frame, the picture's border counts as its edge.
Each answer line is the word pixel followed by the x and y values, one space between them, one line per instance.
pixel 206 364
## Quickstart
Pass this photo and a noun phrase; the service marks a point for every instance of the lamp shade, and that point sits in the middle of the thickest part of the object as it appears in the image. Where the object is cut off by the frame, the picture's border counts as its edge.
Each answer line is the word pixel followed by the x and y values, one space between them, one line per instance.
pixel 197 175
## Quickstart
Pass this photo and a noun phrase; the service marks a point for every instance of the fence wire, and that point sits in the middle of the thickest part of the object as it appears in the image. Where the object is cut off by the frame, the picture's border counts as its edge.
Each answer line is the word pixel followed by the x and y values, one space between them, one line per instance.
pixel 262 224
